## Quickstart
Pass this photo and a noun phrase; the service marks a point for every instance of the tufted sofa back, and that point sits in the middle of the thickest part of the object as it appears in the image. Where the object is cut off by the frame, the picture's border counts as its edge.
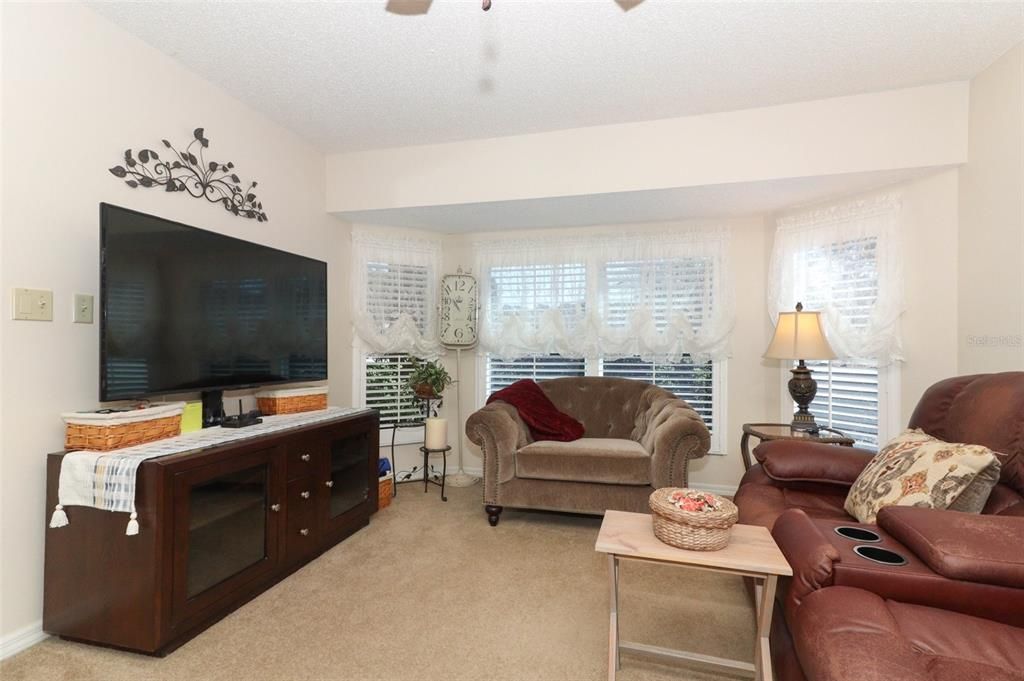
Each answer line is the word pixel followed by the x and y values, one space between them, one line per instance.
pixel 612 407
pixel 983 409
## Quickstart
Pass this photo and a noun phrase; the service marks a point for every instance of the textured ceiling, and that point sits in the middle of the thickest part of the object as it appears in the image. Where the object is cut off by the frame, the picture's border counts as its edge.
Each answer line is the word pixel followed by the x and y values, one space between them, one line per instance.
pixel 350 76
pixel 656 205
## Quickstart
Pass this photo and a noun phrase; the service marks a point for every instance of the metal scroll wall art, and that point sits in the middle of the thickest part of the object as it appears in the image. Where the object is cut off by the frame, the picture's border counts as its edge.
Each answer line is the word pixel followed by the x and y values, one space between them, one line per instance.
pixel 184 171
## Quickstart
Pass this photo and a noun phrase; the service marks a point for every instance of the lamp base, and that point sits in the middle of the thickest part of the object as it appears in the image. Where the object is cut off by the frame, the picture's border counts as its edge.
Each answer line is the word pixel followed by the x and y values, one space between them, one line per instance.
pixel 462 480
pixel 803 388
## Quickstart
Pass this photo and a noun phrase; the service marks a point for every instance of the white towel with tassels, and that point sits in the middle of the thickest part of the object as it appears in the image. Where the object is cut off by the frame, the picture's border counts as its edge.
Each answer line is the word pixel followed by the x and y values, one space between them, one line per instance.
pixel 106 480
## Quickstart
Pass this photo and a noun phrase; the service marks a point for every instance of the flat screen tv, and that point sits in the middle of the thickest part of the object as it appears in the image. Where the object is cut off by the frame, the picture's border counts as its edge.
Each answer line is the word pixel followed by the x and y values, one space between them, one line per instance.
pixel 185 309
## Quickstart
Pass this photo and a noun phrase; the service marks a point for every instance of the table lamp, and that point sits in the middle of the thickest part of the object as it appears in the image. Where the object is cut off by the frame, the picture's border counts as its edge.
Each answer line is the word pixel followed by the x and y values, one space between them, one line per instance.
pixel 799 336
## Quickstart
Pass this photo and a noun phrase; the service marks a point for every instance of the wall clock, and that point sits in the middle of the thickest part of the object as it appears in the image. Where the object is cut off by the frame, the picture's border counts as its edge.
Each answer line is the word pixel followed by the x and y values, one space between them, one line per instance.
pixel 458 318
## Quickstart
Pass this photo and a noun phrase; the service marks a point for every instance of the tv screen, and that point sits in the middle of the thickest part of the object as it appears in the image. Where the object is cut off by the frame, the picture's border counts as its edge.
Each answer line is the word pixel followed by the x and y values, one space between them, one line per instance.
pixel 184 309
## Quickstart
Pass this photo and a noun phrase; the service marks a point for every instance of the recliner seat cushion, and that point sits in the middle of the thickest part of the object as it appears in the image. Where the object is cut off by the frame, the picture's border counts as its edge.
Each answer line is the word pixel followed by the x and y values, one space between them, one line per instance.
pixel 846 634
pixel 589 459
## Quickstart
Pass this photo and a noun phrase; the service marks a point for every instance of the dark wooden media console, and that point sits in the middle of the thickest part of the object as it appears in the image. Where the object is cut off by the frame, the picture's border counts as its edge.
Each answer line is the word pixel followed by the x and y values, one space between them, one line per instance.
pixel 218 527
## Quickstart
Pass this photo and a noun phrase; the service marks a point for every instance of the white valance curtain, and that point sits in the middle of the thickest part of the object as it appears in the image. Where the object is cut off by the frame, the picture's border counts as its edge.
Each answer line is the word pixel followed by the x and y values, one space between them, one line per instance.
pixel 394 282
pixel 656 295
pixel 845 260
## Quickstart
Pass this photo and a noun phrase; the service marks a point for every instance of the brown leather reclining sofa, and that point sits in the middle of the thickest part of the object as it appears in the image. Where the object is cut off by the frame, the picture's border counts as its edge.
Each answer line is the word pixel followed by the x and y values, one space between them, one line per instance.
pixel 954 608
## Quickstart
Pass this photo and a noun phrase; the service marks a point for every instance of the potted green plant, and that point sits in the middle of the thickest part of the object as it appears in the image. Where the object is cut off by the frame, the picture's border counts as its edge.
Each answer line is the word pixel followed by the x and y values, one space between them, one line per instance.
pixel 428 379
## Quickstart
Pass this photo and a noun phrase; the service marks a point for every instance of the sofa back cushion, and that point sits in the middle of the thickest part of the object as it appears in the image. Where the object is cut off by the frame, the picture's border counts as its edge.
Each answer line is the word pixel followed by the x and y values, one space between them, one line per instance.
pixel 983 409
pixel 607 407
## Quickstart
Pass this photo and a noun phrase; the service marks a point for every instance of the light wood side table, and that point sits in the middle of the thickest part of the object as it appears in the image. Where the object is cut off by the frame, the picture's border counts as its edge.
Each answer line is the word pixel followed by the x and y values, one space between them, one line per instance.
pixel 751 553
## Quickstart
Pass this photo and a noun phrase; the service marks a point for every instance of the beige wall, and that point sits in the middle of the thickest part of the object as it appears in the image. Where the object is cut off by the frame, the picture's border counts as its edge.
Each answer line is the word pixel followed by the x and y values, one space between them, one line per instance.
pixel 76 92
pixel 910 128
pixel 991 252
pixel 930 208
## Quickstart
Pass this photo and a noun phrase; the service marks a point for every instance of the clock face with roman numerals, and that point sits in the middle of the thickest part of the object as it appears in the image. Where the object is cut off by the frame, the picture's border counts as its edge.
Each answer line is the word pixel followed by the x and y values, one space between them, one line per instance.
pixel 458 310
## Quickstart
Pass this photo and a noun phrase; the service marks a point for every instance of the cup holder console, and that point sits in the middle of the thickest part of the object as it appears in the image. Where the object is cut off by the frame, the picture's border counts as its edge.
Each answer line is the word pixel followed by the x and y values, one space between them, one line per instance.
pixel 861 534
pixel 877 554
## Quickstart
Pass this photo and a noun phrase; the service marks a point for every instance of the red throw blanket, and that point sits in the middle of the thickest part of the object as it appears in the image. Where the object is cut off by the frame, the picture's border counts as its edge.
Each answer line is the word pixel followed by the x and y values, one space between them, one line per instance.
pixel 538 412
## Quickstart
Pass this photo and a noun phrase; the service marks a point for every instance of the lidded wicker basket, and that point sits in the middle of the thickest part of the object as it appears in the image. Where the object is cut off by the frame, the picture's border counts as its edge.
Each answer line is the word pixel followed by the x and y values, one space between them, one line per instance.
pixel 91 431
pixel 706 530
pixel 291 400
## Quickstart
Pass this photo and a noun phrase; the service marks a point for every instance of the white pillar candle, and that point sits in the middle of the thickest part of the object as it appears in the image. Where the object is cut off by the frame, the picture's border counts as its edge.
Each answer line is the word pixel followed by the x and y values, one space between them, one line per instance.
pixel 436 435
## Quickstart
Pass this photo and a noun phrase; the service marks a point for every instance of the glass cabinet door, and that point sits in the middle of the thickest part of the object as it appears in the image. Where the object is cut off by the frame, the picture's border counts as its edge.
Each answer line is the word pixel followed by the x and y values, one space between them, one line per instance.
pixel 225 527
pixel 348 483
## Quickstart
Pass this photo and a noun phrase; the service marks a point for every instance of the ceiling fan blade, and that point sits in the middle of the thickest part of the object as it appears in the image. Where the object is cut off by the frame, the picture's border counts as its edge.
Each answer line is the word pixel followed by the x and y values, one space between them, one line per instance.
pixel 408 7
pixel 627 5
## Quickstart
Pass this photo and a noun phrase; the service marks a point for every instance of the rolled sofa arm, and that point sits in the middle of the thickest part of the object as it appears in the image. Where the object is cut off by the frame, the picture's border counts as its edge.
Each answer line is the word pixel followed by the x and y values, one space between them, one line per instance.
pixel 676 435
pixel 797 461
pixel 985 549
pixel 498 431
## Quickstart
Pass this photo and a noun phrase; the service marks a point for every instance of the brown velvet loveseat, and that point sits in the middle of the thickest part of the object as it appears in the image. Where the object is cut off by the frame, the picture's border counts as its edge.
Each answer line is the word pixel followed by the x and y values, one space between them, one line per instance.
pixel 637 437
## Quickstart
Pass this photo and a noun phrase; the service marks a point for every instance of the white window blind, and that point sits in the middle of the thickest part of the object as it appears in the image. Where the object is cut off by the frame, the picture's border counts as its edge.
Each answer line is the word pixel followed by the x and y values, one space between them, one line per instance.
pixel 844 275
pixel 501 374
pixel 667 289
pixel 848 399
pixel 691 381
pixel 387 388
pixel 394 290
pixel 660 296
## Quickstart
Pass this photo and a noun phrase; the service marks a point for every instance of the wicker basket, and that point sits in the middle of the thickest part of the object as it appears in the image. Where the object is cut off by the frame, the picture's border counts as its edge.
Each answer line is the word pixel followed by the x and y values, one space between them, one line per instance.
pixel 104 432
pixel 384 488
pixel 692 530
pixel 291 401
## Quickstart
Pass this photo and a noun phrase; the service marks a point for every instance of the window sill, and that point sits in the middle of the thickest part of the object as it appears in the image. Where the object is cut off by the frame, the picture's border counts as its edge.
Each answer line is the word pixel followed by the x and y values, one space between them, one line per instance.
pixel 404 436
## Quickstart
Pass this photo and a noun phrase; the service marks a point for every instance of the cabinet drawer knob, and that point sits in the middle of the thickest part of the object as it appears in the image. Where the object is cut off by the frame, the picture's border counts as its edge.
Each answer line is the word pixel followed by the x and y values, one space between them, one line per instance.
pixel 304 532
pixel 275 507
pixel 305 495
pixel 329 483
pixel 305 457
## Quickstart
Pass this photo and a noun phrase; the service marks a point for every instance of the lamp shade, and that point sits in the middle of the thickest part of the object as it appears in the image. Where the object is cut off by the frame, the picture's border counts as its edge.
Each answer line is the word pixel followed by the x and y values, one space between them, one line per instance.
pixel 799 335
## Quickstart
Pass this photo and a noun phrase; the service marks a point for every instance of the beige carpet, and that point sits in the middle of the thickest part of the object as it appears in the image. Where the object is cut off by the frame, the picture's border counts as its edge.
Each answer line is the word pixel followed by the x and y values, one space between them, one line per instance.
pixel 430 591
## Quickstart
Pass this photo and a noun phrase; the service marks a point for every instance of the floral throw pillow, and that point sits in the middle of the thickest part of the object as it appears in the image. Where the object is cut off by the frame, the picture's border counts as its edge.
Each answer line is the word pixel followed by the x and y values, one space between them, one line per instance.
pixel 915 469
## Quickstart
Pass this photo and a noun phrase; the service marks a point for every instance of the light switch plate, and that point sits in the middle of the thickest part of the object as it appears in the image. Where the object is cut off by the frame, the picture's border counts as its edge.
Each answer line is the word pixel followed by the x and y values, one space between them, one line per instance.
pixel 33 304
pixel 83 309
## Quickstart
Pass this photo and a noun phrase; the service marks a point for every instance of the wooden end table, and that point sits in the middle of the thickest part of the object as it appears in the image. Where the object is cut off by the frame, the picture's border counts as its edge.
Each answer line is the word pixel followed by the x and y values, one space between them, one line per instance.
pixel 784 431
pixel 751 553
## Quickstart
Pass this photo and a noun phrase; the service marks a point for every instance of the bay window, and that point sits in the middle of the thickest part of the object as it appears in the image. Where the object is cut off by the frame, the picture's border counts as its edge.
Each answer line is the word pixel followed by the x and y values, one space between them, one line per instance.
pixel 651 307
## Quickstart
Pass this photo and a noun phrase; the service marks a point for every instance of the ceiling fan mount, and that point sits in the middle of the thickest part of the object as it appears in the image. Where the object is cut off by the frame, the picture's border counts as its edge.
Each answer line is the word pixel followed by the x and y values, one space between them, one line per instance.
pixel 412 7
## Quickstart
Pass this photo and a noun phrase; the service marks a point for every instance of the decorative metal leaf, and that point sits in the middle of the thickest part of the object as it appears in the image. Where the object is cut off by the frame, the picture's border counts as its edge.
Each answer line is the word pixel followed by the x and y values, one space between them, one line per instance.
pixel 185 174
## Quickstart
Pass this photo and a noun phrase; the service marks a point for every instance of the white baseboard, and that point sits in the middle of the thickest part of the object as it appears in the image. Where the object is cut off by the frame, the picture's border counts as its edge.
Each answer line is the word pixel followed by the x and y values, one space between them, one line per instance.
pixel 723 490
pixel 22 639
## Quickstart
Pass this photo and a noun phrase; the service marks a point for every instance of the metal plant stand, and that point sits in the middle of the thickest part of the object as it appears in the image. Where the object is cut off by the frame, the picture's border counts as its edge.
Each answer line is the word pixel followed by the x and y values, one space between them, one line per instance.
pixel 444 468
